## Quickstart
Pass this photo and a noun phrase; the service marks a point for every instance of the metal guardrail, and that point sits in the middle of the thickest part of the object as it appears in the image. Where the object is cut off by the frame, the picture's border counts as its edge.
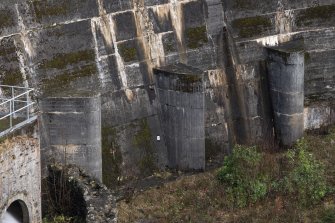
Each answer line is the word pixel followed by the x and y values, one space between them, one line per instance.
pixel 16 108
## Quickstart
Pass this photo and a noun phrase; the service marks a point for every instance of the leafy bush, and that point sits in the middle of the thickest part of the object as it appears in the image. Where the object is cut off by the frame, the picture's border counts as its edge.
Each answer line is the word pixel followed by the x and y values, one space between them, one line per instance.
pixel 306 176
pixel 244 183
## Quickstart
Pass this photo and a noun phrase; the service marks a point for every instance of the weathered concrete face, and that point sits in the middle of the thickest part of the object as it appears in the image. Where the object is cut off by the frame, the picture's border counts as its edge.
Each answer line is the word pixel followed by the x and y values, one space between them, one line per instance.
pixel 180 90
pixel 286 84
pixel 71 132
pixel 20 179
pixel 111 47
pixel 317 115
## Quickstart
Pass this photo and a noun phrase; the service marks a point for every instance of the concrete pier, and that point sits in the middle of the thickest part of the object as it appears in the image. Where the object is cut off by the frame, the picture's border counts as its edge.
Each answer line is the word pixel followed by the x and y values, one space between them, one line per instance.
pixel 180 90
pixel 71 132
pixel 286 79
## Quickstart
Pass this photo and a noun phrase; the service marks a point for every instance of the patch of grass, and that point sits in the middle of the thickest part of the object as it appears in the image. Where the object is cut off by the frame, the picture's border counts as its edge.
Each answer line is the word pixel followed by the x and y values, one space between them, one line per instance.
pixel 201 198
pixel 323 149
pixel 328 215
pixel 306 179
pixel 186 200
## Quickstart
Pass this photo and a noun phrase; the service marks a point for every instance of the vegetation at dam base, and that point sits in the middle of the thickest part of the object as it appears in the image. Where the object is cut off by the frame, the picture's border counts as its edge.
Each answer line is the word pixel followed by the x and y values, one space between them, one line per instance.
pixel 253 185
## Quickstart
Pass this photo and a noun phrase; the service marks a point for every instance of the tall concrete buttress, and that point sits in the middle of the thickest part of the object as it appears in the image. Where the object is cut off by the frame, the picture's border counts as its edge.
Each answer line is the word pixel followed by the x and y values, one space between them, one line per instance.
pixel 71 132
pixel 180 91
pixel 286 81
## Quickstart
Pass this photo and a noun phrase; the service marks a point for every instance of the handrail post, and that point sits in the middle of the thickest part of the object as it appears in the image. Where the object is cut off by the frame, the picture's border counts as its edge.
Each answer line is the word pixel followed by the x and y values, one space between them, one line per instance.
pixel 10 116
pixel 27 98
pixel 13 103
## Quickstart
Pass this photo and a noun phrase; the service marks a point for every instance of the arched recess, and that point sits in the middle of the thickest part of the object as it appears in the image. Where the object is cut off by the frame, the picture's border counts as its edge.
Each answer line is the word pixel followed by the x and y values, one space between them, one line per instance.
pixel 18 210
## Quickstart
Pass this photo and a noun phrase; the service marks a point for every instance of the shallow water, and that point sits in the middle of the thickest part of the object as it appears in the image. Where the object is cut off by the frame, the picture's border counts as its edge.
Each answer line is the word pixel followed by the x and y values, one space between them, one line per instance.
pixel 8 218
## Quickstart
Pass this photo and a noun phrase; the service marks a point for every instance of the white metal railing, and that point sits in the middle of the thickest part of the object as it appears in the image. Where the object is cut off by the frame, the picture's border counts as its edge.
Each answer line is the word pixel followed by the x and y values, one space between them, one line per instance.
pixel 16 108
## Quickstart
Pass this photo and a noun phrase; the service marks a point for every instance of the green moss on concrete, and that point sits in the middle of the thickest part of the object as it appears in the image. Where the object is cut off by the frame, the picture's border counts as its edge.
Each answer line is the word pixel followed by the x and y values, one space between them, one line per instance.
pixel 12 77
pixel 243 4
pixel 252 26
pixel 284 55
pixel 43 8
pixel 127 53
pixel 62 81
pixel 196 37
pixel 55 30
pixel 323 12
pixel 187 79
pixel 169 43
pixel 143 141
pixel 5 51
pixel 6 19
pixel 169 47
pixel 212 149
pixel 60 61
pixel 111 157
pixel 307 57
pixel 189 83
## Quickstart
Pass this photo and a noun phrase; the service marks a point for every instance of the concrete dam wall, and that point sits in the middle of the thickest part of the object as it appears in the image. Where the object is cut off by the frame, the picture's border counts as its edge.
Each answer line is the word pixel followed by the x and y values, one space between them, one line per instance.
pixel 75 48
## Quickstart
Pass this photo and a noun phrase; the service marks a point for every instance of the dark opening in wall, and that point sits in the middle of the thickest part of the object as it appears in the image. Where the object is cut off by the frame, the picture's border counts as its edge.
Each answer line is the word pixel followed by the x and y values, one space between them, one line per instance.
pixel 62 196
pixel 19 211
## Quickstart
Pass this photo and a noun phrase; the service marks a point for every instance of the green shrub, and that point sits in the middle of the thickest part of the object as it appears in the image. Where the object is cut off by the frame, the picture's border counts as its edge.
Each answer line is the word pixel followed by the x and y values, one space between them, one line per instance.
pixel 248 178
pixel 241 175
pixel 306 176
